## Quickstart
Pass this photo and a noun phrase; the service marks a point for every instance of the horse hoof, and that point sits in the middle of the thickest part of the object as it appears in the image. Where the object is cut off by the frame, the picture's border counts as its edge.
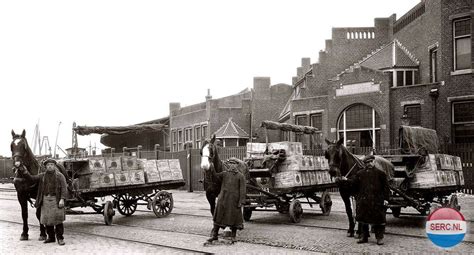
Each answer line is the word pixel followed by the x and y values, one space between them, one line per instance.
pixel 23 237
pixel 350 234
pixel 42 238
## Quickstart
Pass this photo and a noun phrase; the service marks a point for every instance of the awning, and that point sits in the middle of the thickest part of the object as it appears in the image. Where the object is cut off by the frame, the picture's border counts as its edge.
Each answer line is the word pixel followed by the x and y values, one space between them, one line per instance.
pixel 118 130
pixel 289 127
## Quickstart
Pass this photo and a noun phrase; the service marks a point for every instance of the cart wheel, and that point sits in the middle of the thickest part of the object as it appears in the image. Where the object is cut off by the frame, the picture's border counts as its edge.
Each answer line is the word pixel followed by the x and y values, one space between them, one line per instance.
pixel 127 204
pixel 247 213
pixel 162 204
pixel 453 202
pixel 296 211
pixel 396 211
pixel 108 213
pixel 326 203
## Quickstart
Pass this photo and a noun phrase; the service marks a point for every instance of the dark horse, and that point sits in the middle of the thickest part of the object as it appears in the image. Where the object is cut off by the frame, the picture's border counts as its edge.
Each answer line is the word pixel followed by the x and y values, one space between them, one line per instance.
pixel 344 163
pixel 210 158
pixel 24 160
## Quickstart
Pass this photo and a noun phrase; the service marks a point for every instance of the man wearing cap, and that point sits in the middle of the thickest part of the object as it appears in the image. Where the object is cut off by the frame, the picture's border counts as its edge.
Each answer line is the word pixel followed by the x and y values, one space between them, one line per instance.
pixel 51 194
pixel 372 190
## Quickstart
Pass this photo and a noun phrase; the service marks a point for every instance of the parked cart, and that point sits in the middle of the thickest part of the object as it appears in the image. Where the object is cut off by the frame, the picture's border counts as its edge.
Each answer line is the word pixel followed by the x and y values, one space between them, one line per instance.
pixel 281 176
pixel 125 198
pixel 423 178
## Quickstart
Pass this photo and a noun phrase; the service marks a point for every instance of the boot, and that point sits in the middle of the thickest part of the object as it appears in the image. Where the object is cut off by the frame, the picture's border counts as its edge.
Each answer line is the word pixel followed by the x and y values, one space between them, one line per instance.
pixel 380 241
pixel 49 240
pixel 363 239
pixel 233 238
pixel 214 233
pixel 61 242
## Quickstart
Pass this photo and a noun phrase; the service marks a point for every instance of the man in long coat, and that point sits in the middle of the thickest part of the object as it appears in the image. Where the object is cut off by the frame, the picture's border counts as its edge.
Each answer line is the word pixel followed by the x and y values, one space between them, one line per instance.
pixel 228 212
pixel 52 192
pixel 372 189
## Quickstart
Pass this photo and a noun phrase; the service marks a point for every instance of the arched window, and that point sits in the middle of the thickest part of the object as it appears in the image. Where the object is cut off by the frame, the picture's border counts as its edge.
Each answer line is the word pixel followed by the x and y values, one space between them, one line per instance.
pixel 357 124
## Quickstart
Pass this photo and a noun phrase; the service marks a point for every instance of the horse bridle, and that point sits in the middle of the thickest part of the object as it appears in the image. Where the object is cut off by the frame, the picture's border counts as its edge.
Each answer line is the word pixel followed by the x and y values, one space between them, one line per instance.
pixel 340 165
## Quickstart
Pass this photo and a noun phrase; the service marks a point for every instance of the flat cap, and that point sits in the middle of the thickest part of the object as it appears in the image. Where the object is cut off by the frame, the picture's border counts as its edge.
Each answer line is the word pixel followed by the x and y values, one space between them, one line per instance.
pixel 49 160
pixel 368 158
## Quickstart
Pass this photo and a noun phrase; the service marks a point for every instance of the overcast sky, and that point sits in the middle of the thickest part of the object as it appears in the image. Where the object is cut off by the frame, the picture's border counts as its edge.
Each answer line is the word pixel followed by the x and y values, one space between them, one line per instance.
pixel 122 62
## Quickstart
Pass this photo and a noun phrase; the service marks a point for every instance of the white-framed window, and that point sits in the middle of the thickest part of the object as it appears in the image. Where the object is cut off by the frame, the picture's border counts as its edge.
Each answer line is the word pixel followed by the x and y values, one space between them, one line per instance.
pixel 197 136
pixel 463 121
pixel 434 64
pixel 462 43
pixel 174 140
pixel 188 136
pixel 204 132
pixel 180 139
pixel 316 120
pixel 359 124
pixel 402 77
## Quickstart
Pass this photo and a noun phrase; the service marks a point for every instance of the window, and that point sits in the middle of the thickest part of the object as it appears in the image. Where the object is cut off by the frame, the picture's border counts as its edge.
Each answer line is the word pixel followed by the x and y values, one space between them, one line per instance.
pixel 180 140
pixel 188 137
pixel 174 140
pixel 204 132
pixel 317 122
pixel 434 65
pixel 197 136
pixel 357 124
pixel 463 121
pixel 408 78
pixel 303 121
pixel 390 79
pixel 285 135
pixel 404 77
pixel 414 114
pixel 400 78
pixel 462 43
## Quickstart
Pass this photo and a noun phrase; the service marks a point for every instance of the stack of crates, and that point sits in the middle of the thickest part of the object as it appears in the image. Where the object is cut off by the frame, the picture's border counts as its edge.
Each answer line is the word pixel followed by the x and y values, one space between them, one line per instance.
pixel 437 170
pixel 162 170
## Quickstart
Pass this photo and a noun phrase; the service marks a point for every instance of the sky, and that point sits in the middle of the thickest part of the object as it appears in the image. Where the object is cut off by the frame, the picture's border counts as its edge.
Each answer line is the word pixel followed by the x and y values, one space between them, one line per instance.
pixel 114 63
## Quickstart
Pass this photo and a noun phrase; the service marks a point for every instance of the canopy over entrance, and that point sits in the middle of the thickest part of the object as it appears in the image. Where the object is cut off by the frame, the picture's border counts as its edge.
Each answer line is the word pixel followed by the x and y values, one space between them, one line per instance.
pixel 118 130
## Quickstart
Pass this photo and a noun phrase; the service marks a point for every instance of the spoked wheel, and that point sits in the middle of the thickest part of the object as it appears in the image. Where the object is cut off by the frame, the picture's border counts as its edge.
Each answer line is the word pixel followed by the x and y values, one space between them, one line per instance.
pixel 248 213
pixel 326 203
pixel 162 204
pixel 108 213
pixel 296 211
pixel 396 211
pixel 453 202
pixel 127 204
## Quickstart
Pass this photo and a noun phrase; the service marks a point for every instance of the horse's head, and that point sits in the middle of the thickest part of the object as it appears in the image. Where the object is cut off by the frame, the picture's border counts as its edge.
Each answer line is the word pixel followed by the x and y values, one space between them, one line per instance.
pixel 208 153
pixel 19 148
pixel 334 155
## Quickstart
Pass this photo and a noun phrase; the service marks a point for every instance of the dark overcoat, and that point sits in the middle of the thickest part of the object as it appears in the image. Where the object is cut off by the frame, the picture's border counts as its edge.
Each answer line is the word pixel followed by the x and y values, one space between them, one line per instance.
pixel 228 211
pixel 61 188
pixel 371 187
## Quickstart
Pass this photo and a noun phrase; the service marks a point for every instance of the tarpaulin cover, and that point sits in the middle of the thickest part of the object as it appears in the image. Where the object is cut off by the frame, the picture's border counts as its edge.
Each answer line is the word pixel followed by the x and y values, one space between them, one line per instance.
pixel 84 130
pixel 288 127
pixel 415 140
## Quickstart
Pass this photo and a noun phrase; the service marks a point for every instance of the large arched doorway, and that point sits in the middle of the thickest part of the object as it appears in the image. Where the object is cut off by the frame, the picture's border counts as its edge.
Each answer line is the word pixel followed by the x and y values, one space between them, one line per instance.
pixel 357 124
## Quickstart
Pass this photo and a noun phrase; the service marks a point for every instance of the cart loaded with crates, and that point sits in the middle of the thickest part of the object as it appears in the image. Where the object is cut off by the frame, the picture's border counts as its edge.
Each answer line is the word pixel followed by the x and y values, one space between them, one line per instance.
pixel 128 180
pixel 423 178
pixel 282 178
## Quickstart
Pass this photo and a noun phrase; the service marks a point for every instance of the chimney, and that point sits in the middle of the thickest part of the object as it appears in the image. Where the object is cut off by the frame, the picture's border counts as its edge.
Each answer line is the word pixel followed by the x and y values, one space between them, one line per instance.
pixel 208 97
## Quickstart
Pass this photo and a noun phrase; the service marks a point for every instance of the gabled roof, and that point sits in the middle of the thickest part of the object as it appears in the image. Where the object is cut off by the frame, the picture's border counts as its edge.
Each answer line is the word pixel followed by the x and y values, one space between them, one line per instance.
pixel 287 109
pixel 231 130
pixel 389 56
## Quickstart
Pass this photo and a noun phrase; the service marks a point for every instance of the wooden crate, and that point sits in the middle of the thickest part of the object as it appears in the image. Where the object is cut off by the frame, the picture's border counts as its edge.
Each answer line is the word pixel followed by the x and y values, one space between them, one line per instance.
pixel 291 163
pixel 287 180
pixel 151 166
pixel 163 165
pixel 122 178
pixel 113 164
pixel 457 163
pixel 256 148
pixel 97 164
pixel 166 175
pixel 141 162
pixel 152 176
pixel 175 168
pixel 291 148
pixel 129 163
pixel 137 176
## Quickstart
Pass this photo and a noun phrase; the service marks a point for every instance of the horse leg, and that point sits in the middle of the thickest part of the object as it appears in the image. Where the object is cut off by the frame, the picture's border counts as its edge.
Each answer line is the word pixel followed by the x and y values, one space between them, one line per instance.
pixel 23 200
pixel 42 236
pixel 347 203
pixel 211 198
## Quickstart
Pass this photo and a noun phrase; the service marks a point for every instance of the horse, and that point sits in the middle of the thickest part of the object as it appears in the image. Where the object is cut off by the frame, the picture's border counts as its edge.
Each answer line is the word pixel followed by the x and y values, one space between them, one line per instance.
pixel 210 158
pixel 25 165
pixel 344 163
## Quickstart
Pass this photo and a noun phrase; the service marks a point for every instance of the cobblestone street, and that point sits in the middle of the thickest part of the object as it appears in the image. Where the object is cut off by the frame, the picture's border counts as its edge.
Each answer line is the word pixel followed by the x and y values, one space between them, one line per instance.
pixel 188 225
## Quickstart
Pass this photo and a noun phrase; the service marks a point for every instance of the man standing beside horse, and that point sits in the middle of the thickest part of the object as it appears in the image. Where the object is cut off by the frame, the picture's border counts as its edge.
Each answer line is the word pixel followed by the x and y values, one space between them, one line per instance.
pixel 372 190
pixel 51 195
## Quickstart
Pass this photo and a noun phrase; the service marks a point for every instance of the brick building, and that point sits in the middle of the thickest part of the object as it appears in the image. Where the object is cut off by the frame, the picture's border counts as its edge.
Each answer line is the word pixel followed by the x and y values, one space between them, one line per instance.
pixel 417 67
pixel 190 125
